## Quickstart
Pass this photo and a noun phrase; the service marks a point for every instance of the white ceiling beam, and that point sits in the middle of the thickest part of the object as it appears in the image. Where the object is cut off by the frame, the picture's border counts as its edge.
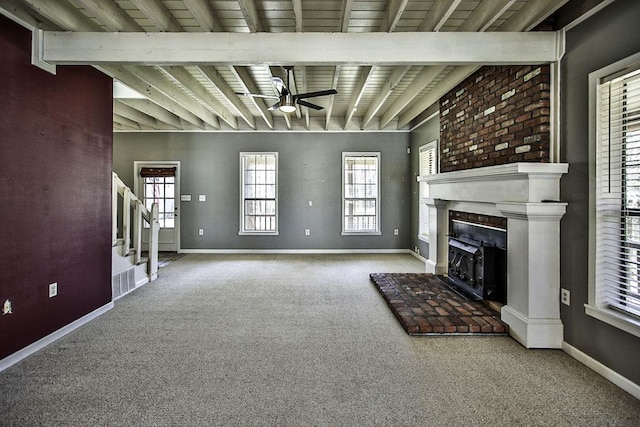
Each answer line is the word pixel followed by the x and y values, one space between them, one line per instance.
pixel 297 13
pixel 332 98
pixel 485 14
pixel 19 12
pixel 111 15
pixel 302 82
pixel 154 110
pixel 203 13
pixel 125 122
pixel 421 81
pixel 438 15
pixel 454 77
pixel 159 97
pixel 250 13
pixel 387 89
pixel 489 48
pixel 225 90
pixel 192 85
pixel 365 75
pixel 531 14
pixel 63 15
pixel 157 12
pixel 392 15
pixel 244 77
pixel 345 15
pixel 134 115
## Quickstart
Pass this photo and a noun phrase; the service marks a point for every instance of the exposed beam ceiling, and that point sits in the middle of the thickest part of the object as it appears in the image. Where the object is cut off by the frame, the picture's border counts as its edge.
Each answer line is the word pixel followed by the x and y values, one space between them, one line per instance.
pixel 192 61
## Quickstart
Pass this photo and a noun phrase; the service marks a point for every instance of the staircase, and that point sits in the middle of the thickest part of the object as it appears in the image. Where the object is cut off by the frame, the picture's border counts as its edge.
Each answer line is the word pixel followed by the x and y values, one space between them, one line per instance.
pixel 129 269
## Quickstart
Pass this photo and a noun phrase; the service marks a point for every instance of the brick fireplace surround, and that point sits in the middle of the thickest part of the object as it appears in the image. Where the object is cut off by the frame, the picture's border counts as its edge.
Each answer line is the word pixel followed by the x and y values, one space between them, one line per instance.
pixel 527 194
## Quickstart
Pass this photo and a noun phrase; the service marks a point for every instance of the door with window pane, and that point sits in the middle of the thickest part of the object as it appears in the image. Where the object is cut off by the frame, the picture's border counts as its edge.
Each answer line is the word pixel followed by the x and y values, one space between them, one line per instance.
pixel 158 183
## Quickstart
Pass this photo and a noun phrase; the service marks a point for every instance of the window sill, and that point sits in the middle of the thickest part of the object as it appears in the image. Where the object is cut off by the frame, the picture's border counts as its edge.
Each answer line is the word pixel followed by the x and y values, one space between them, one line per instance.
pixel 614 318
pixel 362 233
pixel 258 233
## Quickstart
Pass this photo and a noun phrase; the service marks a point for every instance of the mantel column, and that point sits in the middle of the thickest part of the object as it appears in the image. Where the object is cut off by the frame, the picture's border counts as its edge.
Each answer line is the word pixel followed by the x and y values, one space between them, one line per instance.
pixel 533 273
pixel 438 244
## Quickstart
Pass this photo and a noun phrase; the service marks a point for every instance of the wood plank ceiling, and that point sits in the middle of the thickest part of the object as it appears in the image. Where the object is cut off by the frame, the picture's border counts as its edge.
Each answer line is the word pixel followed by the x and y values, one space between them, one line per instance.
pixel 205 97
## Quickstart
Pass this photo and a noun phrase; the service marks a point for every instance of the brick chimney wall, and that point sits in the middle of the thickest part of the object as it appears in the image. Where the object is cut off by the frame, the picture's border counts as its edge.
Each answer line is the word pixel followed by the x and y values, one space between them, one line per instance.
pixel 499 115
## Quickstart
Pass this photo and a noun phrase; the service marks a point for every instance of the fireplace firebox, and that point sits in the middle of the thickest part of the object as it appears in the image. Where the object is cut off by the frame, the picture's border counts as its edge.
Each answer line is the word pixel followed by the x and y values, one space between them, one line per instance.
pixel 477 261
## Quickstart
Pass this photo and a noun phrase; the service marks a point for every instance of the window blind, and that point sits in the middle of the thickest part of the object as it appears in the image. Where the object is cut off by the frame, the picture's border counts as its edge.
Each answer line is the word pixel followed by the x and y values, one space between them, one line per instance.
pixel 428 166
pixel 618 194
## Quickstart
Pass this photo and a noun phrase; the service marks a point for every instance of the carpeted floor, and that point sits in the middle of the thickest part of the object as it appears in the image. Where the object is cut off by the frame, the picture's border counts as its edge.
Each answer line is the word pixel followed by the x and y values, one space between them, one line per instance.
pixel 292 340
pixel 424 305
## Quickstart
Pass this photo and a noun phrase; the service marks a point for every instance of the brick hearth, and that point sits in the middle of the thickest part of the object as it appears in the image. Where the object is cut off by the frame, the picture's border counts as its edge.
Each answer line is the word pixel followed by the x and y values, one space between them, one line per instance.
pixel 425 305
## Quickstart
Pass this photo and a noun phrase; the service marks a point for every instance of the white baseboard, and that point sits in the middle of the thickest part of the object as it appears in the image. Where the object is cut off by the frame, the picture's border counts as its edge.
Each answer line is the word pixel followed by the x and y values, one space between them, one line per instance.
pixel 608 373
pixel 295 251
pixel 420 257
pixel 43 342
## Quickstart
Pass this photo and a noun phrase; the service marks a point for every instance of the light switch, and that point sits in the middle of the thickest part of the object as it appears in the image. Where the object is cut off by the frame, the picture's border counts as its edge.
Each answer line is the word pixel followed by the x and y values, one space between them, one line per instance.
pixel 185 197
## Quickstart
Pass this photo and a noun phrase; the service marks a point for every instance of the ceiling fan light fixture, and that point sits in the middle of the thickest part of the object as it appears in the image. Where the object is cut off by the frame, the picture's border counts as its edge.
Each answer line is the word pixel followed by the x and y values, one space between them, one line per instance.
pixel 287 104
pixel 287 108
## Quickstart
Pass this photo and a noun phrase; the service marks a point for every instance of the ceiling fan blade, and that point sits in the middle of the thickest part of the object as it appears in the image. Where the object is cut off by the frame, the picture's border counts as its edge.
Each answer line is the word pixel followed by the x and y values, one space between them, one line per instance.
pixel 310 105
pixel 277 83
pixel 314 94
pixel 257 95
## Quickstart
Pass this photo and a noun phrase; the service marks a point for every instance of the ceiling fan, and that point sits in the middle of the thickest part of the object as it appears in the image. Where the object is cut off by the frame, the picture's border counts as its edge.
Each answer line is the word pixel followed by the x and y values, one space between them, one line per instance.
pixel 286 100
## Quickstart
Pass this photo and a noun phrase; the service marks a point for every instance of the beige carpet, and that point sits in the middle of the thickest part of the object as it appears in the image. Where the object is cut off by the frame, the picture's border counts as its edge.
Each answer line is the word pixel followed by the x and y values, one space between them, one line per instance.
pixel 279 340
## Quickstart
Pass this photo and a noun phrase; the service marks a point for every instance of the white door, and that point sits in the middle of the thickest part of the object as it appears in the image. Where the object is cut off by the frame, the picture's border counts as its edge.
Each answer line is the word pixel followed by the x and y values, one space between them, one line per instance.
pixel 159 182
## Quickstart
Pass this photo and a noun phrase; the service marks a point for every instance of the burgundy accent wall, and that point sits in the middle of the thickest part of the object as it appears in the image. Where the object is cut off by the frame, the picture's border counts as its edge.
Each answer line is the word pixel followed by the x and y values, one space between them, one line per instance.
pixel 55 192
pixel 499 115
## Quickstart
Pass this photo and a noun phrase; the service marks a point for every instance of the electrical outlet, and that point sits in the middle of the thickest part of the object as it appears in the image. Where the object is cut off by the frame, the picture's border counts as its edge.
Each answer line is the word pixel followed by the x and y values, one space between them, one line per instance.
pixel 565 296
pixel 310 203
pixel 6 307
pixel 307 232
pixel 53 289
pixel 201 232
pixel 395 231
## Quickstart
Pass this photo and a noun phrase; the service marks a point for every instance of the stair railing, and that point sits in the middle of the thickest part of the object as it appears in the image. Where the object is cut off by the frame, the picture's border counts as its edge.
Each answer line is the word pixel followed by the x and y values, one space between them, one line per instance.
pixel 132 213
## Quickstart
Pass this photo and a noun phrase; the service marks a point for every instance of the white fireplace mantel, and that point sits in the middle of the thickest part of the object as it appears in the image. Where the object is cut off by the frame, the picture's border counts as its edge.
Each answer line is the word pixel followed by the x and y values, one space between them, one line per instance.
pixel 527 194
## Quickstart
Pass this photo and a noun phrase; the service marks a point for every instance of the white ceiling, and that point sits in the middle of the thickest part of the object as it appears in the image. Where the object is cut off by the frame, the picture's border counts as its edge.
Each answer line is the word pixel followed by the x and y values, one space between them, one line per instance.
pixel 183 92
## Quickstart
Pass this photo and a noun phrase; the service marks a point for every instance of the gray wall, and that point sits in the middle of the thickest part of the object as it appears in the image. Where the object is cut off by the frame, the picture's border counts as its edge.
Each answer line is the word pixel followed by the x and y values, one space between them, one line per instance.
pixel 309 169
pixel 605 38
pixel 427 132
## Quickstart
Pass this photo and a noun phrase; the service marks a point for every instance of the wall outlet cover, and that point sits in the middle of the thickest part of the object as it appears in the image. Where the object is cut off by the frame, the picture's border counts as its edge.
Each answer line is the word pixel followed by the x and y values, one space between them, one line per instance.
pixel 53 289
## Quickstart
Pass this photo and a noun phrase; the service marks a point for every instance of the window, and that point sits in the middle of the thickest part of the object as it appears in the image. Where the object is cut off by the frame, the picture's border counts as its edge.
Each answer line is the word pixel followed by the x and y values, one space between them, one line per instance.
pixel 428 166
pixel 159 187
pixel 259 193
pixel 361 193
pixel 615 294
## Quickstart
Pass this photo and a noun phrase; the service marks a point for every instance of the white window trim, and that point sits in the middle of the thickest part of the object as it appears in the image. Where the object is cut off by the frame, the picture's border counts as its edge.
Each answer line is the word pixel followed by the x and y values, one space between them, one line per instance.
pixel 422 200
pixel 595 307
pixel 242 232
pixel 376 232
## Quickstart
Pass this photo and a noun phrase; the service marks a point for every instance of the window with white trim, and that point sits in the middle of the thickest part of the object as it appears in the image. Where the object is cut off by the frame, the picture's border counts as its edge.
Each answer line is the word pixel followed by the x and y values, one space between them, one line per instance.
pixel 259 193
pixel 428 166
pixel 615 294
pixel 361 193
